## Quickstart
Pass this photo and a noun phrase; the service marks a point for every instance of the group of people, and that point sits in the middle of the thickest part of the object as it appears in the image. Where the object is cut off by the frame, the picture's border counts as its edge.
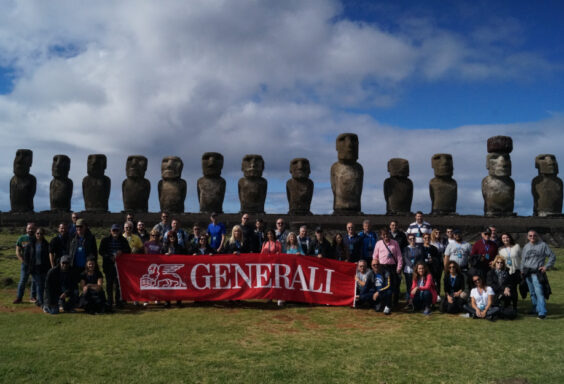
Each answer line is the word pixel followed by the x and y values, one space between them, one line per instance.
pixel 482 280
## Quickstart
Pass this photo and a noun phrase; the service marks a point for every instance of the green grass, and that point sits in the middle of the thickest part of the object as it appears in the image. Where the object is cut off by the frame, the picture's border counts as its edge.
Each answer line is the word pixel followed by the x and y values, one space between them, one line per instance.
pixel 256 342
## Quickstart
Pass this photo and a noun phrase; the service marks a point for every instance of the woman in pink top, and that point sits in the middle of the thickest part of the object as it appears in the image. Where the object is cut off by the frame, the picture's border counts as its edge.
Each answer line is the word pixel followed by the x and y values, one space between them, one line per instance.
pixel 271 246
pixel 387 253
pixel 423 291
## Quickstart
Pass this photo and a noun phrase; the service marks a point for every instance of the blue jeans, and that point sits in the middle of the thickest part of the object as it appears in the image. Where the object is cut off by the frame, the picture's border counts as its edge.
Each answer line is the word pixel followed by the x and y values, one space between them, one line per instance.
pixel 408 282
pixel 24 275
pixel 39 279
pixel 422 299
pixel 537 295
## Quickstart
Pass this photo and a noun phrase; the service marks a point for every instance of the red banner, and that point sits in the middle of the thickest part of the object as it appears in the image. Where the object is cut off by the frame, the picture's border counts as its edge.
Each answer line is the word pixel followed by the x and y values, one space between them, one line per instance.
pixel 236 277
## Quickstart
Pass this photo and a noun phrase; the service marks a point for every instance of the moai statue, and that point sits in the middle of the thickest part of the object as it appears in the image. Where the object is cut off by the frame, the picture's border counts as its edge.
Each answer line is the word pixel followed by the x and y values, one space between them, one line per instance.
pixel 22 184
pixel 498 189
pixel 398 188
pixel 443 187
pixel 136 189
pixel 172 189
pixel 211 187
pixel 96 186
pixel 347 176
pixel 60 189
pixel 299 189
pixel 252 187
pixel 547 187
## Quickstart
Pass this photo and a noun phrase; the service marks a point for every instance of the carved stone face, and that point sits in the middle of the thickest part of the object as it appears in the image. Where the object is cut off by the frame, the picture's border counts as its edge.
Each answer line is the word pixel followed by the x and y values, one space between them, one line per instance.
pixel 212 164
pixel 22 162
pixel 442 164
pixel 347 147
pixel 61 166
pixel 498 164
pixel 136 166
pixel 546 164
pixel 96 165
pixel 398 167
pixel 171 167
pixel 299 168
pixel 252 165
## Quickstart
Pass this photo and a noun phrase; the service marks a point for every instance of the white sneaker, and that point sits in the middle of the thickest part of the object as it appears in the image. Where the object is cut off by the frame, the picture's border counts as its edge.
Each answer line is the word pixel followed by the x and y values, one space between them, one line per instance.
pixel 438 299
pixel 465 315
pixel 280 303
pixel 387 310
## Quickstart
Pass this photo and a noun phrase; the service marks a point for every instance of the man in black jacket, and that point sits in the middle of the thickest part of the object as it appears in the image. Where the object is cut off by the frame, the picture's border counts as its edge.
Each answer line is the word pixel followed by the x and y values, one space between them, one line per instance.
pixel 59 245
pixel 319 246
pixel 82 246
pixel 111 247
pixel 61 288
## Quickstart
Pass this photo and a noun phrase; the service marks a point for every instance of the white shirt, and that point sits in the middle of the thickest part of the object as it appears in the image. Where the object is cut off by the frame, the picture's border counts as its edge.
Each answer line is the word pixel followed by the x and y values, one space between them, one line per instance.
pixel 481 299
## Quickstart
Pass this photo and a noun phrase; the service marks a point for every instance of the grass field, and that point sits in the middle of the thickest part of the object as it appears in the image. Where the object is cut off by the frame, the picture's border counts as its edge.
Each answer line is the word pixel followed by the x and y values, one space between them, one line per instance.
pixel 256 342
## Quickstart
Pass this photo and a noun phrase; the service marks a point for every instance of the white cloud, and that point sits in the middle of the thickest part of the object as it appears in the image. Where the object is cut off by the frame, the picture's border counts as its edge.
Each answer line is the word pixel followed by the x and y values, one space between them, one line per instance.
pixel 241 77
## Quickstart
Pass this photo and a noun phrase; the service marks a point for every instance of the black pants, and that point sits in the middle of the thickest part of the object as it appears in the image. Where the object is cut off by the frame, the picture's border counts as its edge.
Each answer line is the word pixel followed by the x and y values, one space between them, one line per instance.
pixel 395 280
pixel 491 314
pixel 112 281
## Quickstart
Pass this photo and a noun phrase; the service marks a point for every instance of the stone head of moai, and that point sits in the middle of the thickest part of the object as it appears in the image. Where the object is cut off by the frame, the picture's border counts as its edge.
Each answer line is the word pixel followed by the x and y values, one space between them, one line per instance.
pixel 171 167
pixel 498 164
pixel 136 166
pixel 61 166
pixel 212 164
pixel 398 167
pixel 546 164
pixel 96 165
pixel 498 161
pixel 252 166
pixel 442 164
pixel 299 168
pixel 22 162
pixel 347 148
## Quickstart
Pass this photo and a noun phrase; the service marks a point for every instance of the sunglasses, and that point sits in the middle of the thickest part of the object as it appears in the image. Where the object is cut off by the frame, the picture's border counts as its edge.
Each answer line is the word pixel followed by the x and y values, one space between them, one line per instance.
pixel 477 280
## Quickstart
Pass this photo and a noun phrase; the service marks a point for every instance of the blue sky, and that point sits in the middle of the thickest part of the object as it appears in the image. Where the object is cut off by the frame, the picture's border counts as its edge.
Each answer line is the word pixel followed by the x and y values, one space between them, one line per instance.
pixel 282 79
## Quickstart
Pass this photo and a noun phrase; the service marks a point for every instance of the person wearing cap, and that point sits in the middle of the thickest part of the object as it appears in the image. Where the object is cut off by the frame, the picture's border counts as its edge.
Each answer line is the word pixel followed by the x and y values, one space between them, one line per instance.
pixel 216 232
pixel 482 254
pixel 113 246
pixel 82 245
pixel 61 288
pixel 319 246
pixel 459 251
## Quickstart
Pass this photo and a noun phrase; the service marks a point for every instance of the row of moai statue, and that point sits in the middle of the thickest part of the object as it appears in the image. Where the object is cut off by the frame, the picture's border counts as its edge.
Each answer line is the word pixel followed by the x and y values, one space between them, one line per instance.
pixel 498 189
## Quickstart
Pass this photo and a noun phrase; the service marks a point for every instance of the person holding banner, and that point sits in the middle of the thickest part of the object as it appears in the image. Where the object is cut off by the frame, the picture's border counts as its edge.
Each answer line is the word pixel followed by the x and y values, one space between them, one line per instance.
pixel 172 247
pixel 271 246
pixel 320 247
pixel 237 243
pixel 293 246
pixel 203 247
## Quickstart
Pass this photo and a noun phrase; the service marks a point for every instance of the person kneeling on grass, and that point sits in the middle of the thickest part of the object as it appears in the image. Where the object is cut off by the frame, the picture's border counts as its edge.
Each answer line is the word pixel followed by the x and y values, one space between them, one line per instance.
pixel 61 293
pixel 453 283
pixel 378 289
pixel 504 286
pixel 92 299
pixel 423 292
pixel 482 296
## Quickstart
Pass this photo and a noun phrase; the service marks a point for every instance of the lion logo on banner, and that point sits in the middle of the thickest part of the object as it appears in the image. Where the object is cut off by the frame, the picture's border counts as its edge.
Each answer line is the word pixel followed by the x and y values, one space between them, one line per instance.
pixel 162 276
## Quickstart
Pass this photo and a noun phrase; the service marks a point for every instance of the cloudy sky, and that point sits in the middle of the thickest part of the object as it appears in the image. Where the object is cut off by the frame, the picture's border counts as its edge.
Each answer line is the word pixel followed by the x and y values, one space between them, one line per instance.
pixel 282 79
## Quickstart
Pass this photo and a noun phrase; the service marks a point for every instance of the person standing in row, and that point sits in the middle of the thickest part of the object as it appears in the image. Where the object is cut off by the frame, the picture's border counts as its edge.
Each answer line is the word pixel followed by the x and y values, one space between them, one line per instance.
pixel 534 265
pixel 367 240
pixel 21 243
pixel 419 228
pixel 387 253
pixel 111 247
pixel 216 231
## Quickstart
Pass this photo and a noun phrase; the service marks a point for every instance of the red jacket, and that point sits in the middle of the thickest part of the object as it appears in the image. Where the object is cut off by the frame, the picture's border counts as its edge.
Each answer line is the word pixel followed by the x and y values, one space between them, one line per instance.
pixel 429 286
